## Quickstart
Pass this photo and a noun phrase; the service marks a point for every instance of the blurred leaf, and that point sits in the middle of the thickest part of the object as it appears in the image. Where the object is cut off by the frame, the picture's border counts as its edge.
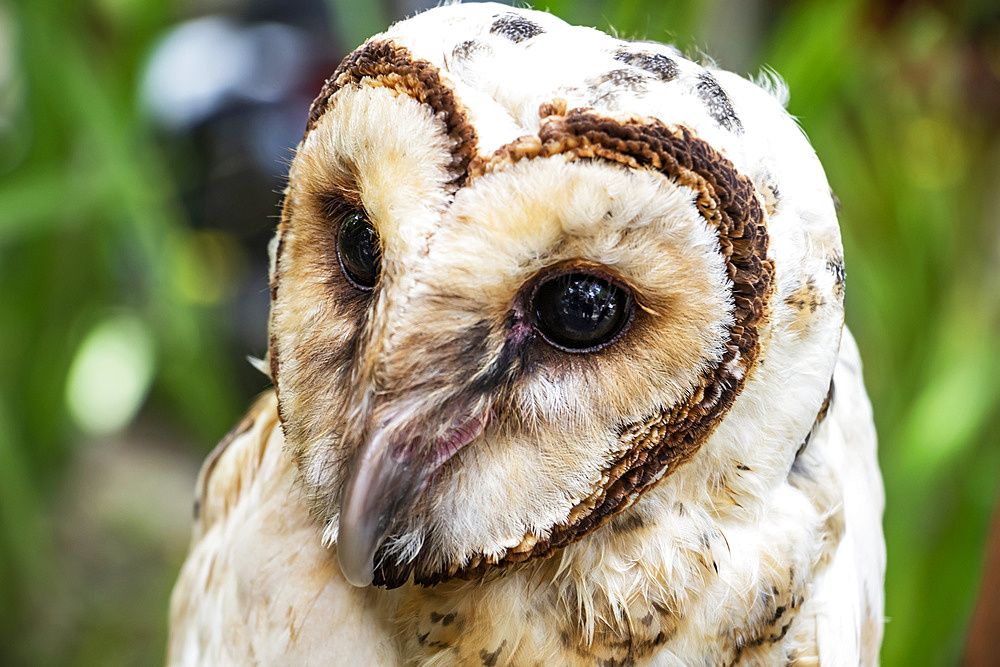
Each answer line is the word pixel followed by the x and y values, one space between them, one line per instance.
pixel 110 375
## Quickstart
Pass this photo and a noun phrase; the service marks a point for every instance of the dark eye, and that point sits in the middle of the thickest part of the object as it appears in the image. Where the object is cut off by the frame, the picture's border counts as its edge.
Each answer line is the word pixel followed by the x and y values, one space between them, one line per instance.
pixel 359 250
pixel 581 312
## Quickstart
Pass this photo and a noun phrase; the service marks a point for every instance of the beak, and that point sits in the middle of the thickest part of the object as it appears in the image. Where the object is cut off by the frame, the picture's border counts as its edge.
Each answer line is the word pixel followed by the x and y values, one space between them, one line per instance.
pixel 386 475
pixel 377 485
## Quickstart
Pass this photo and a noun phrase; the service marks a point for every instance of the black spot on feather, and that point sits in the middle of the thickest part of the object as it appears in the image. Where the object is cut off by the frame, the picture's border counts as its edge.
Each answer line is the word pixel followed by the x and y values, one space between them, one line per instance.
pixel 469 49
pixel 622 79
pixel 516 28
pixel 628 523
pixel 488 658
pixel 654 63
pixel 835 265
pixel 720 108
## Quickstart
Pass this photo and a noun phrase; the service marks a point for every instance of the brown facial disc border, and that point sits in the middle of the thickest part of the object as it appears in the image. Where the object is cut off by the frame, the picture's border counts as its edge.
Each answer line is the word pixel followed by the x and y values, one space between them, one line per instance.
pixel 386 64
pixel 726 199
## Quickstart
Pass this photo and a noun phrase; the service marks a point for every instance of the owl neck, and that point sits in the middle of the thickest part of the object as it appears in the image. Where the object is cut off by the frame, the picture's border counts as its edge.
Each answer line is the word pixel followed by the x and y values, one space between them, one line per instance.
pixel 645 582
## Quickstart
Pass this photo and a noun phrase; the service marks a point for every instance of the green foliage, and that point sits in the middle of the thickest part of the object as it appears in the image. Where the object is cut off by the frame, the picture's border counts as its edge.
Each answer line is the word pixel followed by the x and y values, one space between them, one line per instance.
pixel 913 162
pixel 93 243
pixel 88 221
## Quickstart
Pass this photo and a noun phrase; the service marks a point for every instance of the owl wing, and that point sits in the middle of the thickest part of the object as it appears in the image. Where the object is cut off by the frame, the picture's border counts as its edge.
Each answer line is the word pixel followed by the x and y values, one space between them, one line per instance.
pixel 845 606
pixel 258 587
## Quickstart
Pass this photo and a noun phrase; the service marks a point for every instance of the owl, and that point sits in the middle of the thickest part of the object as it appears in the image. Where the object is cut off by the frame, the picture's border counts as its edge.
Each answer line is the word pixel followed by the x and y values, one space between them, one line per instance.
pixel 560 375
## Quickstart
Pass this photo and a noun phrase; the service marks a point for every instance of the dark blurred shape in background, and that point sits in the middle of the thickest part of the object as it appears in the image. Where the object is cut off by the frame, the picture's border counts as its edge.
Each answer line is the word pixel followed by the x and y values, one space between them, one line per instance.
pixel 142 152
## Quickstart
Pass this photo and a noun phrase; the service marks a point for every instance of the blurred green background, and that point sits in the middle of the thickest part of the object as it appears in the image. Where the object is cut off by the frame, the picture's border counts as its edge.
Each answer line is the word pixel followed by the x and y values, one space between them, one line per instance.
pixel 142 144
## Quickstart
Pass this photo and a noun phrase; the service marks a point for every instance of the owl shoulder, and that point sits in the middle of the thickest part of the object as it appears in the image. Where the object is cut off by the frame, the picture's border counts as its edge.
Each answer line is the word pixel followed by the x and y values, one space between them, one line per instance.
pixel 845 607
pixel 232 466
pixel 258 586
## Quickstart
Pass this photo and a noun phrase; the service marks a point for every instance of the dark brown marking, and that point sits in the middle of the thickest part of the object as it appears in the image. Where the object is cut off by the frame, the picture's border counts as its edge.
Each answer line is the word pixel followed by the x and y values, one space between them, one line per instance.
pixel 490 658
pixel 806 298
pixel 515 27
pixel 770 631
pixel 468 49
pixel 621 79
pixel 392 66
pixel 824 409
pixel 718 104
pixel 629 524
pixel 622 642
pixel 433 643
pixel 835 265
pixel 654 63
pixel 340 200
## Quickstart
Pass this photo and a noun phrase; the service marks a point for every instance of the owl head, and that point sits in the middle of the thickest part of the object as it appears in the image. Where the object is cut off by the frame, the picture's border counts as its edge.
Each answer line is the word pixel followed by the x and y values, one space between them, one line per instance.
pixel 528 275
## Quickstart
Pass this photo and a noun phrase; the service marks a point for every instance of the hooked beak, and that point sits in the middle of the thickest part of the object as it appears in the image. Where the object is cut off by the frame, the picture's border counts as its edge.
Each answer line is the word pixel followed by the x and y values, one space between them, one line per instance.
pixel 386 474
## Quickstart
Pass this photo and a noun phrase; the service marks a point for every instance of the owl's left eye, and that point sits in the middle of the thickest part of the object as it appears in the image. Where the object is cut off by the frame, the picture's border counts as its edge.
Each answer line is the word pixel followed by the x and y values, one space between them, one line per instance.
pixel 359 250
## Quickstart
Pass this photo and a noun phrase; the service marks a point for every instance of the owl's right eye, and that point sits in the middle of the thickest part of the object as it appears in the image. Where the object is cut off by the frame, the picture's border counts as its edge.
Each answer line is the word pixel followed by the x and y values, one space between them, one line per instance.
pixel 581 311
pixel 359 250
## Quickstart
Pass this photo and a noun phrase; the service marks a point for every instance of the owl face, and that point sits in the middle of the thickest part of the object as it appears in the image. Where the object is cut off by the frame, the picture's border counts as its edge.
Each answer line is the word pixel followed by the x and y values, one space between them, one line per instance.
pixel 523 274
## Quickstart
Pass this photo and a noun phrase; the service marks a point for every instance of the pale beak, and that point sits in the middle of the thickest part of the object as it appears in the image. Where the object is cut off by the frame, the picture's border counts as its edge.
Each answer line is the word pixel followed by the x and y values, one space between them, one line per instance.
pixel 386 474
